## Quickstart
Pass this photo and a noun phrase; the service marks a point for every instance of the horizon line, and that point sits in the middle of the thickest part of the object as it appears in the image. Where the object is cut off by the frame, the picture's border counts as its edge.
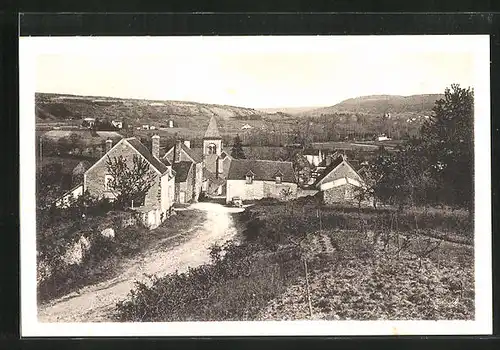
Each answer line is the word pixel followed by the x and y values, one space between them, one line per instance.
pixel 231 105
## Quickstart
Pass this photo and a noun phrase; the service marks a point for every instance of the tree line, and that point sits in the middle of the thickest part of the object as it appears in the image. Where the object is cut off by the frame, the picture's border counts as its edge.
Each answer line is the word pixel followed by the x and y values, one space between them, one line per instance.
pixel 437 167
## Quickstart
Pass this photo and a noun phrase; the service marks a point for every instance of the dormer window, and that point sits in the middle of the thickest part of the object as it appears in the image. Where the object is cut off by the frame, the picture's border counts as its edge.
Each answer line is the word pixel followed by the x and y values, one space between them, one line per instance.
pixel 249 178
pixel 278 177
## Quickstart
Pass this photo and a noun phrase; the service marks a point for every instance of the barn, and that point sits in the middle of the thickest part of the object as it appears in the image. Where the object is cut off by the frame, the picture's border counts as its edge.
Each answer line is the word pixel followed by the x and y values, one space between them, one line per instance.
pixel 339 182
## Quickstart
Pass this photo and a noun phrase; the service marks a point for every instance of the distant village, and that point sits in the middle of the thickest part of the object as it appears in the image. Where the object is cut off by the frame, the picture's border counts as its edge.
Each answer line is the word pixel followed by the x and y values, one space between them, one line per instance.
pixel 184 174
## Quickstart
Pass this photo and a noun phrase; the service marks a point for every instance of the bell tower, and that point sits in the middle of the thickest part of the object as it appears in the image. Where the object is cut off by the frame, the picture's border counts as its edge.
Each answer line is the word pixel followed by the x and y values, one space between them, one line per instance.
pixel 212 141
pixel 212 147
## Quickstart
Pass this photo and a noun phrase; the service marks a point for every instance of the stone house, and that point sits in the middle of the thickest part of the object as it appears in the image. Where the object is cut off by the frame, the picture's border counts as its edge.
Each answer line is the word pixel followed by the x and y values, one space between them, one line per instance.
pixel 188 166
pixel 338 182
pixel 158 201
pixel 256 179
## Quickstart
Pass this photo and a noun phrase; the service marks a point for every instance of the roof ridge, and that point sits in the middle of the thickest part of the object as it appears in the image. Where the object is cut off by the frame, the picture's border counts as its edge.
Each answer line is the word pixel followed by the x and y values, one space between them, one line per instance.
pixel 263 160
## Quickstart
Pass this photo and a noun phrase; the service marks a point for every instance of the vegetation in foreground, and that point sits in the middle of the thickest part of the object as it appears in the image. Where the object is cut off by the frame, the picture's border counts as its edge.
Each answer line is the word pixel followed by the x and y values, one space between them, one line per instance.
pixel 360 267
pixel 61 229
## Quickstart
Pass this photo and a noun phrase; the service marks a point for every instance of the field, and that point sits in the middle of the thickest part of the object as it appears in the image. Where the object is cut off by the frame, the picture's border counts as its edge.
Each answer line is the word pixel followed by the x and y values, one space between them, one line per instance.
pixel 362 265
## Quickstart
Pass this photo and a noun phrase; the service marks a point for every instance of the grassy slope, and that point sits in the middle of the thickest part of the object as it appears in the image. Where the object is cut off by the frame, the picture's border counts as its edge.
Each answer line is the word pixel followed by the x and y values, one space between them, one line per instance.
pixel 53 107
pixel 353 274
pixel 380 104
pixel 107 257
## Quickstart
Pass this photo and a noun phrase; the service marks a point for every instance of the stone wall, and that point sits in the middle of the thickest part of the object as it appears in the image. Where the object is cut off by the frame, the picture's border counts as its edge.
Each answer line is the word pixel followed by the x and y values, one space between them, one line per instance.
pixel 340 194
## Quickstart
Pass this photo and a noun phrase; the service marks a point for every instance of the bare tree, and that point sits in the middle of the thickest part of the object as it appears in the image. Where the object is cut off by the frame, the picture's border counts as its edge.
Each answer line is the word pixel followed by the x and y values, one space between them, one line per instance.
pixel 129 182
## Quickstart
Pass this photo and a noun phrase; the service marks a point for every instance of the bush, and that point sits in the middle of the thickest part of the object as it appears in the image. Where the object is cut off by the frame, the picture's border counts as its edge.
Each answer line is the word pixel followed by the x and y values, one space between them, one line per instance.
pixel 236 287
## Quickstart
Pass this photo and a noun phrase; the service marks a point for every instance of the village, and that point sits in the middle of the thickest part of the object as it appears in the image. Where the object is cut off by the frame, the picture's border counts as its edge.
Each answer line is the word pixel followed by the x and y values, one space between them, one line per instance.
pixel 141 205
pixel 254 186
pixel 184 174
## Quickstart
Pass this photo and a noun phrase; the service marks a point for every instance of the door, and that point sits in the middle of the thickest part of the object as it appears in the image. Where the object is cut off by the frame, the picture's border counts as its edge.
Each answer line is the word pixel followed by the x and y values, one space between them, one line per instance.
pixel 182 197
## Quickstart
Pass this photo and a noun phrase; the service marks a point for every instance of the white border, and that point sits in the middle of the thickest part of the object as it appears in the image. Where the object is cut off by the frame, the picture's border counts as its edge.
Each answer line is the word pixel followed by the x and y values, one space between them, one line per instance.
pixel 29 48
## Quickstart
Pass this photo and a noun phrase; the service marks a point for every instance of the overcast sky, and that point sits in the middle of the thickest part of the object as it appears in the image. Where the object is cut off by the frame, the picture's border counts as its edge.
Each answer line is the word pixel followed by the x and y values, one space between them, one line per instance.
pixel 258 74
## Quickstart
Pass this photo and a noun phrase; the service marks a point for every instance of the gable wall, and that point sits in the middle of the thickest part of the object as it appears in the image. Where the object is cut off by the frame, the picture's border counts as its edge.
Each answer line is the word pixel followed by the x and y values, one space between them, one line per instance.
pixel 342 171
pixel 94 177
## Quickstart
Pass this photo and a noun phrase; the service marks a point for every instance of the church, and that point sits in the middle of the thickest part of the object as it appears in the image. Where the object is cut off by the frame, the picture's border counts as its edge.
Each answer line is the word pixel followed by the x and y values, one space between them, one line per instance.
pixel 216 161
pixel 200 169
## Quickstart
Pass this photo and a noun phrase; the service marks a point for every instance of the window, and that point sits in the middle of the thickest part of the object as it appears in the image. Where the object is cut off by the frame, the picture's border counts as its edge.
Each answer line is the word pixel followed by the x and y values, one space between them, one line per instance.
pixel 278 179
pixel 249 179
pixel 212 149
pixel 107 180
pixel 349 195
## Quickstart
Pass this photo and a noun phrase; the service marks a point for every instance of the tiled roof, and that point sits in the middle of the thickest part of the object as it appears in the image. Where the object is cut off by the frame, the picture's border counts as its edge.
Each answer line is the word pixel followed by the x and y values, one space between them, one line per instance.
pixel 262 170
pixel 195 153
pixel 155 162
pixel 335 163
pixel 311 152
pixel 212 130
pixel 181 170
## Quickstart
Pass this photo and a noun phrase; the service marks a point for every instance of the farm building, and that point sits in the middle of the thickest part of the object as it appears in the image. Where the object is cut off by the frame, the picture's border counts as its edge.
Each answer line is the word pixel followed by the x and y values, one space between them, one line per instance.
pixel 338 182
pixel 117 124
pixel 246 127
pixel 158 201
pixel 314 156
pixel 188 166
pixel 72 194
pixel 257 179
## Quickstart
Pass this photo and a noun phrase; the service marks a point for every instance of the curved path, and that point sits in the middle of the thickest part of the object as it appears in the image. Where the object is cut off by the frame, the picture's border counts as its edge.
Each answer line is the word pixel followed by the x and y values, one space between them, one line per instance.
pixel 95 303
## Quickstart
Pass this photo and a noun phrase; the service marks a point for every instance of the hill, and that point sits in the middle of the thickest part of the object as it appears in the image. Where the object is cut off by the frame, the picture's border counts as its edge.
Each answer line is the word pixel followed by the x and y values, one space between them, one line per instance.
pixel 55 107
pixel 288 110
pixel 380 104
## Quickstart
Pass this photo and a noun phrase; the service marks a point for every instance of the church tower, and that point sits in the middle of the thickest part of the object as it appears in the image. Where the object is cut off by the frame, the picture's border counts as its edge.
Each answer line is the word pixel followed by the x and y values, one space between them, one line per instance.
pixel 212 142
pixel 212 146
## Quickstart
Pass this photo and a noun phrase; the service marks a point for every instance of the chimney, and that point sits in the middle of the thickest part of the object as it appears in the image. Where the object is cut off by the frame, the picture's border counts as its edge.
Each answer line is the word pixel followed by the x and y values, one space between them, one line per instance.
pixel 155 145
pixel 109 144
pixel 177 151
pixel 187 143
pixel 329 160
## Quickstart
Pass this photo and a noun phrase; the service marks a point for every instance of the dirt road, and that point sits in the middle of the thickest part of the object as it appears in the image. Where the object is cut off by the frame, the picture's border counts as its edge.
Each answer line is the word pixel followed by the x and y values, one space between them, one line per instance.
pixel 94 303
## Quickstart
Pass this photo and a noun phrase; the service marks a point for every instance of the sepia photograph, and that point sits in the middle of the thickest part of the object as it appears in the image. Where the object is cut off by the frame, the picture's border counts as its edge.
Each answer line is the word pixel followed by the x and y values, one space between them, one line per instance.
pixel 275 185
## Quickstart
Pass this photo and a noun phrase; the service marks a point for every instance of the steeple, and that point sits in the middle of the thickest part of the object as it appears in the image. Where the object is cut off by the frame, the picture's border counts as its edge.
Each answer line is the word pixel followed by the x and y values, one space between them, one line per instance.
pixel 212 132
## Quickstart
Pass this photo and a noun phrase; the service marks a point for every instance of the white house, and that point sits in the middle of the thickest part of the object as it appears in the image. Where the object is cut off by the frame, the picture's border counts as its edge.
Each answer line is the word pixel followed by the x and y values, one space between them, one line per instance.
pixel 256 179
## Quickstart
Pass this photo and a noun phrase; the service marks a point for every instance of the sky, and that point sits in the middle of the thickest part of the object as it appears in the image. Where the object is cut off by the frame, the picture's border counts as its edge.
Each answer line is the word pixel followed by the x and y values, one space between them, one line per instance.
pixel 254 73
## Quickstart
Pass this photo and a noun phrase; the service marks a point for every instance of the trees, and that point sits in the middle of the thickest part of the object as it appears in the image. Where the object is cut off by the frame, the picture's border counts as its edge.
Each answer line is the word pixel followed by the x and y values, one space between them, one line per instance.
pixel 49 184
pixel 437 167
pixel 129 184
pixel 237 150
pixel 448 138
